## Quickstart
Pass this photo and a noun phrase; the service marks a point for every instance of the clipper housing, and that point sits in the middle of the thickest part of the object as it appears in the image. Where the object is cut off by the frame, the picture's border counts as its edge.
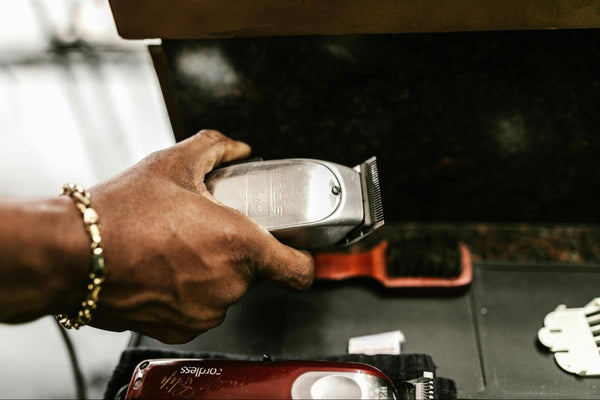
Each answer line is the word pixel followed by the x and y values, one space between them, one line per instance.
pixel 305 203
pixel 175 379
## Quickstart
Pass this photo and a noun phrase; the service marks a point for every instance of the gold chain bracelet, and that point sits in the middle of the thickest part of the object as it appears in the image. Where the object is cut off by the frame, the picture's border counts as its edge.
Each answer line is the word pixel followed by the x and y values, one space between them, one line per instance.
pixel 81 197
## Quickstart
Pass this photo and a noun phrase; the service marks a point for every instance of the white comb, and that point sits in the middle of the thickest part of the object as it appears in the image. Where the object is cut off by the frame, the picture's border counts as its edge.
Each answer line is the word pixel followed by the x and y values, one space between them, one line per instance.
pixel 573 334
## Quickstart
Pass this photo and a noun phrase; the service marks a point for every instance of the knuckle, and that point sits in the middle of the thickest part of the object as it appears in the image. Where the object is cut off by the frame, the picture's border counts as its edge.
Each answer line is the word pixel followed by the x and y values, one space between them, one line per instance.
pixel 172 336
pixel 218 321
pixel 185 337
pixel 206 324
pixel 158 158
pixel 304 282
pixel 305 276
pixel 211 135
pixel 229 235
pixel 239 238
pixel 236 292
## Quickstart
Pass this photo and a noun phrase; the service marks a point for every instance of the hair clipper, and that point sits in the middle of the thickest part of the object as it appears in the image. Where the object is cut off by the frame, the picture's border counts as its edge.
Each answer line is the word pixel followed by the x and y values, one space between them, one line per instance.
pixel 305 203
pixel 172 379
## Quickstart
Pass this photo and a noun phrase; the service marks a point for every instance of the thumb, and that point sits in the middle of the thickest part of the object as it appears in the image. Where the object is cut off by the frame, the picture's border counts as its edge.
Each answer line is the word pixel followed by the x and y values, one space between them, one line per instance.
pixel 293 268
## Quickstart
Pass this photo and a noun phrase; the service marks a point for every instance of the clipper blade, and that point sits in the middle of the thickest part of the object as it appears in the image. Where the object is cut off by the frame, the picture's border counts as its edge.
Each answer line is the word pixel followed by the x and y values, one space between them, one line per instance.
pixel 372 204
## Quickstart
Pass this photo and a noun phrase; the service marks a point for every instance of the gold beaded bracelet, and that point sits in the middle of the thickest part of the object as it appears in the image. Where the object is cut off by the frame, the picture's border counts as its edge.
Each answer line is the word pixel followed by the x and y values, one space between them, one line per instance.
pixel 81 198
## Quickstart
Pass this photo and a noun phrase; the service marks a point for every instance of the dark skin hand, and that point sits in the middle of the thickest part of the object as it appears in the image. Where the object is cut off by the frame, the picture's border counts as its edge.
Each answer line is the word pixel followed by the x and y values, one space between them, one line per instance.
pixel 176 258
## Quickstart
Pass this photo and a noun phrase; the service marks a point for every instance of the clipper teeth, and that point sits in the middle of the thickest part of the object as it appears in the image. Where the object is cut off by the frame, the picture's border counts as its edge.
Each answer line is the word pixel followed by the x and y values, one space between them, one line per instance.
pixel 372 205
pixel 373 191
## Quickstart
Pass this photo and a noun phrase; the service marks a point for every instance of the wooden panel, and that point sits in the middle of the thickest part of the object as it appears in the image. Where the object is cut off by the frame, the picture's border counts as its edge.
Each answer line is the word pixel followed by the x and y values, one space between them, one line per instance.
pixel 186 19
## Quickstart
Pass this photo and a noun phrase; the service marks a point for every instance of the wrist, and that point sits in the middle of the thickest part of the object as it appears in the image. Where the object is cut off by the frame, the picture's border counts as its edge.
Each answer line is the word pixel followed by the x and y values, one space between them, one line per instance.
pixel 68 253
pixel 44 259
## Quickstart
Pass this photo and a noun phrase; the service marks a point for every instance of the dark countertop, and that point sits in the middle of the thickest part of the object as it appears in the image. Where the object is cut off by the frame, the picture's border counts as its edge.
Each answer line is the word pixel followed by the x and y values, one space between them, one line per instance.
pixel 485 338
pixel 565 244
pixel 481 126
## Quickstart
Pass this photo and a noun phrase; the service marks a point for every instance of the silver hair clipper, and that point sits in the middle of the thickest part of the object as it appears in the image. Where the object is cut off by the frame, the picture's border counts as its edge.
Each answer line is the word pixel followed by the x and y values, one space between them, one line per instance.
pixel 305 203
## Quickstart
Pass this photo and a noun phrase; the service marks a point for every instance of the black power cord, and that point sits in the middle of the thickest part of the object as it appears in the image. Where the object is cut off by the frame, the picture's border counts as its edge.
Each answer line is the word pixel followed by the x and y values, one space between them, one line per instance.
pixel 135 340
pixel 80 386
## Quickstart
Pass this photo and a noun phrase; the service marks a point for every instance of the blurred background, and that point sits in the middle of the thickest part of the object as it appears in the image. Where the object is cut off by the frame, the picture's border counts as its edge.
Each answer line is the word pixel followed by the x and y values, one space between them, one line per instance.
pixel 77 103
pixel 491 136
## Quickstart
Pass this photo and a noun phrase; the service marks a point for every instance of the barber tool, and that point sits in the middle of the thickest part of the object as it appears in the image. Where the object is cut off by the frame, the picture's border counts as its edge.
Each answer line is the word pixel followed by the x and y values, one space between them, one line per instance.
pixel 573 334
pixel 232 379
pixel 402 258
pixel 305 203
pixel 421 388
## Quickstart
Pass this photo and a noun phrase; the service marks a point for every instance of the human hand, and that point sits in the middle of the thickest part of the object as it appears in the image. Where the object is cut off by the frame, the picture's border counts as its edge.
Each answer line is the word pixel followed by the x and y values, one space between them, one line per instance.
pixel 176 258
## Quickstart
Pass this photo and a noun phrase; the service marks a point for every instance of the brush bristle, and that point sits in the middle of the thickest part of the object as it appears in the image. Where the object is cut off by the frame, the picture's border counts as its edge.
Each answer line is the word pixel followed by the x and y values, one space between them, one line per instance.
pixel 422 253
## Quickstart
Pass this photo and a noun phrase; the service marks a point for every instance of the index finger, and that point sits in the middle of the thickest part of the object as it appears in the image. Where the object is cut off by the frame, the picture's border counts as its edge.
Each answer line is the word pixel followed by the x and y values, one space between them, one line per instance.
pixel 280 263
pixel 209 148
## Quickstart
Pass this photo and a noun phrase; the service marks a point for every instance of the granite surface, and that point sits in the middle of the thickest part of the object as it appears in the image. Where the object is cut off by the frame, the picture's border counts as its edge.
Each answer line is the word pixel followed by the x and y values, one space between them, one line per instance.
pixel 481 126
pixel 431 249
pixel 487 137
pixel 518 243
